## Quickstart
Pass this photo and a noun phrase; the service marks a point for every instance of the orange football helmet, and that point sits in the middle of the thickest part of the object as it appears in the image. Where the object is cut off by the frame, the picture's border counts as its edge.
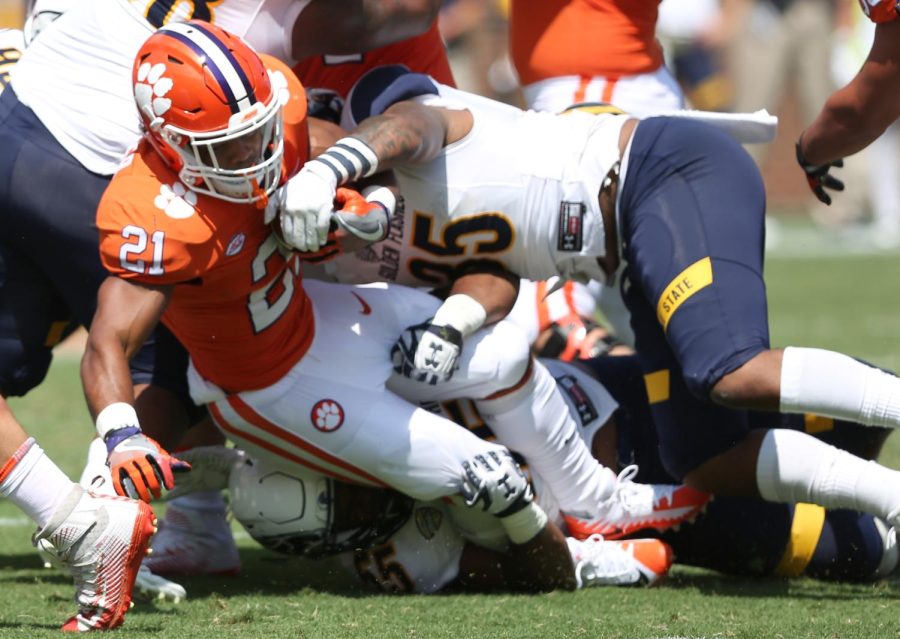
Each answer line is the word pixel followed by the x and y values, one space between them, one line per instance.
pixel 212 110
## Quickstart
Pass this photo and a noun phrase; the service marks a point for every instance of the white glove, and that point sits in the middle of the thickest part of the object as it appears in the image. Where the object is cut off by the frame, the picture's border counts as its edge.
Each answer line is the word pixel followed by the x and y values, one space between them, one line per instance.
pixel 210 469
pixel 495 481
pixel 437 352
pixel 307 209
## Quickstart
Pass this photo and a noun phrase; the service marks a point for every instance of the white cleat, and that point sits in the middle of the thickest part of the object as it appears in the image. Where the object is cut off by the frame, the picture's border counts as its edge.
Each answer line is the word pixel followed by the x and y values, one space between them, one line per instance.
pixel 150 586
pixel 619 563
pixel 890 555
pixel 194 542
pixel 633 507
pixel 101 542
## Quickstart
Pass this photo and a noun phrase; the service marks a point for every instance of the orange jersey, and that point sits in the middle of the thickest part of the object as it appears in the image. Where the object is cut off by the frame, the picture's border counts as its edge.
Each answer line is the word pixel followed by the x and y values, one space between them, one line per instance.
pixel 607 38
pixel 881 10
pixel 238 306
pixel 424 53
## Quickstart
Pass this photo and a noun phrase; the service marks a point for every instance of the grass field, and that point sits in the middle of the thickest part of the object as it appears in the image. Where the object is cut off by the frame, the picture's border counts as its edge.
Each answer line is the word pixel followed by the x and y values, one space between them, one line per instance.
pixel 850 302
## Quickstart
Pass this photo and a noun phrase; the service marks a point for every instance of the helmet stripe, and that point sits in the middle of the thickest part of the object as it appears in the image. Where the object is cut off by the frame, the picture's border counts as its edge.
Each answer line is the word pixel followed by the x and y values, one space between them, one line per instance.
pixel 223 66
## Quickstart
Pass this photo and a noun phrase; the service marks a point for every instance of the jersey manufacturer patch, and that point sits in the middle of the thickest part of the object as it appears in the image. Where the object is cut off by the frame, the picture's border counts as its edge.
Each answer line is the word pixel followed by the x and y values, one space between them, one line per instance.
pixel 571 218
pixel 587 412
pixel 428 521
pixel 236 244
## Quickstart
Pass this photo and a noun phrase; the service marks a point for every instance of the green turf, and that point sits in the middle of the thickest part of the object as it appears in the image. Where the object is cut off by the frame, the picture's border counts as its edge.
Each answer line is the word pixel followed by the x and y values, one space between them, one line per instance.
pixel 851 303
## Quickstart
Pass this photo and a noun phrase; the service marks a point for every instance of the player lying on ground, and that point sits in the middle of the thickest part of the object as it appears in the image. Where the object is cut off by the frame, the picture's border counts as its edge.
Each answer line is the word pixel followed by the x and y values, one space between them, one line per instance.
pixel 649 196
pixel 354 536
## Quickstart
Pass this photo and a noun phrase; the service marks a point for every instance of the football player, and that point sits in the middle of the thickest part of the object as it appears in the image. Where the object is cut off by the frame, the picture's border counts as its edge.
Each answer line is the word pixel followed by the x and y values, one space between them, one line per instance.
pixel 296 369
pixel 856 115
pixel 569 51
pixel 76 142
pixel 581 196
pixel 73 520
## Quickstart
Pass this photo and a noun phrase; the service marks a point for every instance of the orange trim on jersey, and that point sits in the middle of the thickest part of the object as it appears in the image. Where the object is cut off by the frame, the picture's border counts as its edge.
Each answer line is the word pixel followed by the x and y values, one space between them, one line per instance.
pixel 17 456
pixel 581 91
pixel 246 412
pixel 517 386
pixel 543 309
pixel 608 90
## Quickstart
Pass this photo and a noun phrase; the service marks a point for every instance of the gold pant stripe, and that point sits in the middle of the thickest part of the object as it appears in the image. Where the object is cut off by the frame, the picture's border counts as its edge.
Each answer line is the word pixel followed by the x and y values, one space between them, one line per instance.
pixel 816 423
pixel 55 334
pixel 657 384
pixel 694 278
pixel 806 529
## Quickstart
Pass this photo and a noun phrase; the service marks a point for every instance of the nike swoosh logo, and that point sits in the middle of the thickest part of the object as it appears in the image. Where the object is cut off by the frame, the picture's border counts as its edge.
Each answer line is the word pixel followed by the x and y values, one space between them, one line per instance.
pixel 366 309
pixel 368 236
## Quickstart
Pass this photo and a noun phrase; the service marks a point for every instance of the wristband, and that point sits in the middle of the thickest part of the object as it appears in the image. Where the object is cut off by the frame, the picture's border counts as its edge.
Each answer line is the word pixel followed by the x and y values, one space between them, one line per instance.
pixel 349 159
pixel 116 416
pixel 462 313
pixel 383 196
pixel 524 525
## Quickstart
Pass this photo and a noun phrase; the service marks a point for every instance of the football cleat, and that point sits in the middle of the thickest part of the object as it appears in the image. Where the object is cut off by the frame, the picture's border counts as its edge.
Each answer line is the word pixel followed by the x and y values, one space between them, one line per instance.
pixel 150 586
pixel 599 562
pixel 194 542
pixel 633 507
pixel 101 541
pixel 890 554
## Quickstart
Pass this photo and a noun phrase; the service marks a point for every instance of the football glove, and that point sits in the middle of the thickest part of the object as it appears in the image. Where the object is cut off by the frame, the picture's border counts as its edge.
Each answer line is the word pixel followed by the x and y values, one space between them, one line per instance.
pixel 307 207
pixel 496 483
pixel 427 353
pixel 367 219
pixel 140 467
pixel 818 177
pixel 210 469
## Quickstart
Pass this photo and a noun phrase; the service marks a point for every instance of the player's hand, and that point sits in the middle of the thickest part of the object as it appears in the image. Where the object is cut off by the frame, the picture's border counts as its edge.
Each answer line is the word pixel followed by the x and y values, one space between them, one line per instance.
pixel 818 177
pixel 140 467
pixel 306 210
pixel 496 483
pixel 210 469
pixel 365 218
pixel 427 353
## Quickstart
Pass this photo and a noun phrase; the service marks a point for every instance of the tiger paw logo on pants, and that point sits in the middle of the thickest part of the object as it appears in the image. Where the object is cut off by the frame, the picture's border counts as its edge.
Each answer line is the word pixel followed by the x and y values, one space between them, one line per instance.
pixel 327 415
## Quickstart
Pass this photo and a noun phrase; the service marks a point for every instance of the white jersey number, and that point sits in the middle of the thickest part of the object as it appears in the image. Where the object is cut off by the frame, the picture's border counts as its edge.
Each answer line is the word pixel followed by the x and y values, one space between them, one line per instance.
pixel 268 303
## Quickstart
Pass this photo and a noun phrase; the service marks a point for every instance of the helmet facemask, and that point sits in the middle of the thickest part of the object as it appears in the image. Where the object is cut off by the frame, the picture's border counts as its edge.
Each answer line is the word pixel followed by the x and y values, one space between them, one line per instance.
pixel 241 163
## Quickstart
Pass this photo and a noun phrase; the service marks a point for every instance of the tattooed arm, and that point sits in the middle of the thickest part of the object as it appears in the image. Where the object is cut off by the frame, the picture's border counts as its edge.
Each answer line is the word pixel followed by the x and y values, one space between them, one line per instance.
pixel 412 133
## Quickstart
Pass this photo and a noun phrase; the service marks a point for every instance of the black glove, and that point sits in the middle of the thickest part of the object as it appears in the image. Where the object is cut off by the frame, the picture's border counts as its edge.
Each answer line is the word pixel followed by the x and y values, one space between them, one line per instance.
pixel 818 178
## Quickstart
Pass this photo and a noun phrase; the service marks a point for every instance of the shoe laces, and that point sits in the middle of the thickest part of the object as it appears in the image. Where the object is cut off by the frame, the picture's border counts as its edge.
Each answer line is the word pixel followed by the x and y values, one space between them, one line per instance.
pixel 640 498
pixel 604 561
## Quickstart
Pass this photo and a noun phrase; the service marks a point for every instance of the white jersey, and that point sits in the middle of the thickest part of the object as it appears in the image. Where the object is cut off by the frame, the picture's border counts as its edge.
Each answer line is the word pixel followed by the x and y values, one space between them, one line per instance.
pixel 520 189
pixel 77 76
pixel 12 44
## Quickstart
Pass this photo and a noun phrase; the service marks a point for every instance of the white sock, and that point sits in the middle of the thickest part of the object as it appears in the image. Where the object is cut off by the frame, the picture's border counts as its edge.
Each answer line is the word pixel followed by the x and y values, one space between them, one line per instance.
pixel 96 476
pixel 835 385
pixel 34 483
pixel 534 420
pixel 795 467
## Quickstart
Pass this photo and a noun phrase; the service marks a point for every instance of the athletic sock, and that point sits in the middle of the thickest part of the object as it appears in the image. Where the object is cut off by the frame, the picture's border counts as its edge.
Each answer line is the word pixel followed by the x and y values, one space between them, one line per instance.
pixel 33 482
pixel 795 467
pixel 835 385
pixel 534 421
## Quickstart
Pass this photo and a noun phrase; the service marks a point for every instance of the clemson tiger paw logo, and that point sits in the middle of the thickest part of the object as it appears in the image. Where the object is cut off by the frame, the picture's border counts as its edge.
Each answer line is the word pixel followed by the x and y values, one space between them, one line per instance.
pixel 327 415
pixel 151 88
pixel 176 201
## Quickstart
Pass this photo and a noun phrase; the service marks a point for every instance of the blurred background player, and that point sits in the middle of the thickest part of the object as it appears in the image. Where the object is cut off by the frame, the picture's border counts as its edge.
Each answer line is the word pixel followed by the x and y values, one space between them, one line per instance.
pixel 571 51
pixel 856 115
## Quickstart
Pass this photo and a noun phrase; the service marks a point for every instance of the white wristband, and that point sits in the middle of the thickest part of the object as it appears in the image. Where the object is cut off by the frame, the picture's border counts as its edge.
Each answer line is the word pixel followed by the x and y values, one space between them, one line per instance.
pixel 116 416
pixel 348 159
pixel 462 313
pixel 381 195
pixel 524 525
